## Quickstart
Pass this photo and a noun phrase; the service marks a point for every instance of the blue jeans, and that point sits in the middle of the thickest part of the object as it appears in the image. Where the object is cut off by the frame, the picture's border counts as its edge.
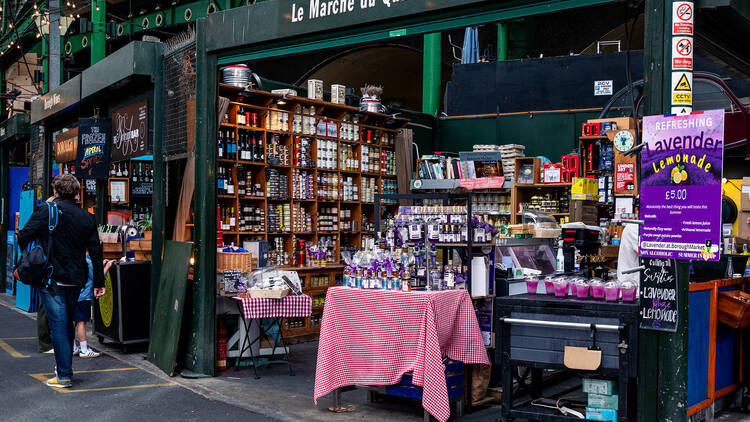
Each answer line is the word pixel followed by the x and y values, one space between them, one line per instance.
pixel 60 302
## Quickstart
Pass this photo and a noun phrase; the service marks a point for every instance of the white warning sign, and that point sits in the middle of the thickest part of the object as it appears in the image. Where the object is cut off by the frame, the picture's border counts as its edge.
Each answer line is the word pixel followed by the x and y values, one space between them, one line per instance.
pixel 682 53
pixel 682 18
pixel 682 110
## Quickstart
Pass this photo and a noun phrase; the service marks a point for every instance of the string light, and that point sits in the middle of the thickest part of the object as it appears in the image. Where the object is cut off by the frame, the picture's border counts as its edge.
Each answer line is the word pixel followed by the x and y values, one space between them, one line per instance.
pixel 35 6
pixel 97 7
pixel 10 25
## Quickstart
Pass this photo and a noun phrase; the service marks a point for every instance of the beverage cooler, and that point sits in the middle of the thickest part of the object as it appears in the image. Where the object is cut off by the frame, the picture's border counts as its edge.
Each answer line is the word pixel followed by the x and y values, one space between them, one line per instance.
pixel 122 314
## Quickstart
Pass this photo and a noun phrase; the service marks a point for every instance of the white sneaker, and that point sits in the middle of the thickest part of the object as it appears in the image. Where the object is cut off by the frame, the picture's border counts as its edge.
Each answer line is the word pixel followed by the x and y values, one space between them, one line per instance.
pixel 89 354
pixel 76 350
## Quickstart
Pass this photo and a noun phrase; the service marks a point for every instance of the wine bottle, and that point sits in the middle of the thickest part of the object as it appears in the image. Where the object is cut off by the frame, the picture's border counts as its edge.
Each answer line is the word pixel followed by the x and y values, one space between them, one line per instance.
pixel 220 145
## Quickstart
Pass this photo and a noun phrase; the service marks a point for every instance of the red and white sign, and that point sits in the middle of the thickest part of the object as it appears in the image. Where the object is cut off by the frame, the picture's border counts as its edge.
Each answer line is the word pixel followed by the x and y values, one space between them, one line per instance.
pixel 682 53
pixel 494 182
pixel 682 18
pixel 625 177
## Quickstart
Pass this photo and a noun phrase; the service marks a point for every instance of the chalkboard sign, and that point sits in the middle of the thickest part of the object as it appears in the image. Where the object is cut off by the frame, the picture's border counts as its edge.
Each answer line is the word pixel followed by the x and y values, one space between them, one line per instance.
pixel 92 157
pixel 130 131
pixel 141 188
pixel 233 281
pixel 658 295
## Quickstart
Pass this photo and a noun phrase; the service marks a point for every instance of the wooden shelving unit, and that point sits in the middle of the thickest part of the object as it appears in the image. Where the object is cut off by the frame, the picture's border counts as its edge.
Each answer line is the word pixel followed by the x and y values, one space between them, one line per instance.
pixel 523 193
pixel 263 103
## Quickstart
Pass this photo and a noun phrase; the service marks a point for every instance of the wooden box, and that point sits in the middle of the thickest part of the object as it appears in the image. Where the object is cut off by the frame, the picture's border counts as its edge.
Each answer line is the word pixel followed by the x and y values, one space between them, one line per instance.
pixel 270 294
pixel 734 308
pixel 523 163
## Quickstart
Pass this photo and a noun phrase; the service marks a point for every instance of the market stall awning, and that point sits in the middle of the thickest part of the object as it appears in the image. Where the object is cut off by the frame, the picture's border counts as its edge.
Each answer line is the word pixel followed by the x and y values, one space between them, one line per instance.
pixel 17 125
pixel 135 59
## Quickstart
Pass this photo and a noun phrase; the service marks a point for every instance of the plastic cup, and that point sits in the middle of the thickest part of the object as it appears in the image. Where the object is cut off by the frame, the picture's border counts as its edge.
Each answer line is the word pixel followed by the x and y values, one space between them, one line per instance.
pixel 597 291
pixel 549 286
pixel 629 291
pixel 561 288
pixel 611 292
pixel 531 286
pixel 582 291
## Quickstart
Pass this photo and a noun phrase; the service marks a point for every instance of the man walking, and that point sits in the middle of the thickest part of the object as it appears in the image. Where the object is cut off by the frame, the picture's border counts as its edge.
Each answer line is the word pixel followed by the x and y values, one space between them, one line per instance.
pixel 75 234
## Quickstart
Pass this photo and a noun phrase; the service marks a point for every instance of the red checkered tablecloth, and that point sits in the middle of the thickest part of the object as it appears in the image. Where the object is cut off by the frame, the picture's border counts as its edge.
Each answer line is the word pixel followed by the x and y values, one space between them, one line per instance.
pixel 373 337
pixel 289 306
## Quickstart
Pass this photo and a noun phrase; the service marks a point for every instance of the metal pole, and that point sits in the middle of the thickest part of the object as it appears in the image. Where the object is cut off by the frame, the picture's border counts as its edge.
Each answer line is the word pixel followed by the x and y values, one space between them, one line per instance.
pixel 431 79
pixel 54 44
pixel 662 357
pixel 98 35
pixel 502 41
pixel 45 64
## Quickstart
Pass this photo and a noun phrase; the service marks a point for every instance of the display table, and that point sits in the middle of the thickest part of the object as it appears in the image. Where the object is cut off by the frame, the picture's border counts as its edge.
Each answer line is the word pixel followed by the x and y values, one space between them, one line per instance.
pixel 255 308
pixel 374 337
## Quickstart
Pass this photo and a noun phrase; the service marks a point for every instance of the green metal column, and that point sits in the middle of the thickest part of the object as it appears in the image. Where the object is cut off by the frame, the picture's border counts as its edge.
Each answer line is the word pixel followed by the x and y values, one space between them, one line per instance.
pixel 158 217
pixel 202 347
pixel 45 64
pixel 663 360
pixel 98 35
pixel 431 80
pixel 502 41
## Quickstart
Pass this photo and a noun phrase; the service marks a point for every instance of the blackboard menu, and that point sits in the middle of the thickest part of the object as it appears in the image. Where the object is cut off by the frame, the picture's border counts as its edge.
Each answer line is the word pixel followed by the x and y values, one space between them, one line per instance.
pixel 233 281
pixel 141 188
pixel 92 158
pixel 130 131
pixel 658 295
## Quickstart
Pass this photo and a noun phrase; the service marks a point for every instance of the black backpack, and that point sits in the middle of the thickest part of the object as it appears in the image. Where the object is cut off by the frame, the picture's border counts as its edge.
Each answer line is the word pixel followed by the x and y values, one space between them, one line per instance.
pixel 34 267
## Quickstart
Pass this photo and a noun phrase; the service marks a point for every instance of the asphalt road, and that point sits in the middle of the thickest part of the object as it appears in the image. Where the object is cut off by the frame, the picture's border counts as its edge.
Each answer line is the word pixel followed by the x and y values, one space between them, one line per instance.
pixel 103 388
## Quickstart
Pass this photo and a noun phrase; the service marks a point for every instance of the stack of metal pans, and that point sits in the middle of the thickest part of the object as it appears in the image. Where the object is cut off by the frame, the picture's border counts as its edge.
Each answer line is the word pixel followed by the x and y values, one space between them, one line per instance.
pixel 236 75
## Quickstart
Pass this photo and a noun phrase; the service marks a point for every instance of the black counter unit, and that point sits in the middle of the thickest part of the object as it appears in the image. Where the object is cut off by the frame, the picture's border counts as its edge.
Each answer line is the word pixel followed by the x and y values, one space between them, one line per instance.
pixel 122 314
pixel 533 330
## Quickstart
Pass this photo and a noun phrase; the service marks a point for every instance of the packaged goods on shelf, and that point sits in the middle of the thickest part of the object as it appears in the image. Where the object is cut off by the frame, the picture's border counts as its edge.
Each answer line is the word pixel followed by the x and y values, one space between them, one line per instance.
pixel 349 159
pixel 328 219
pixel 303 152
pixel 349 128
pixel 370 160
pixel 440 167
pixel 390 186
pixel 252 218
pixel 277 153
pixel 303 185
pixel 279 217
pixel 388 162
pixel 369 188
pixel 350 189
pixel 327 154
pixel 328 186
pixel 277 184
pixel 348 224
pixel 302 219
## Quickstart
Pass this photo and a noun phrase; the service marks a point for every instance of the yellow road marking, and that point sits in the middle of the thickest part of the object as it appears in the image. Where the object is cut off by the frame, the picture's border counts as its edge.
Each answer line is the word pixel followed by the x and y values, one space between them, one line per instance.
pixel 44 376
pixel 18 338
pixel 11 351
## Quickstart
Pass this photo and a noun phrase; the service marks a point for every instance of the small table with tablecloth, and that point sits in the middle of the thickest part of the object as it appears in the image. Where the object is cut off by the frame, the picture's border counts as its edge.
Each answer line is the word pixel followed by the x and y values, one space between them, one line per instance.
pixel 374 337
pixel 254 308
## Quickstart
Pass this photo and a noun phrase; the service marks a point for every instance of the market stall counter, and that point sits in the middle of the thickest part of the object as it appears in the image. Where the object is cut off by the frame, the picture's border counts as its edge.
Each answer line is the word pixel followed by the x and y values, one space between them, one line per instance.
pixel 546 332
pixel 374 337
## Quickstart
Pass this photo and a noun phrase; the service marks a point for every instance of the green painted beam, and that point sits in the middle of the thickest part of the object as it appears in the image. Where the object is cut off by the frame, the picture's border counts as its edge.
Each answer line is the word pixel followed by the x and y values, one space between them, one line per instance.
pixel 99 33
pixel 502 41
pixel 158 219
pixel 431 81
pixel 201 350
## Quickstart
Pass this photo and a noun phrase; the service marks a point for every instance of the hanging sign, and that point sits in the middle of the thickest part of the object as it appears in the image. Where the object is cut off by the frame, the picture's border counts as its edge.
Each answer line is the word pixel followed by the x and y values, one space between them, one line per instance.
pixel 130 131
pixel 682 18
pixel 92 158
pixel 90 186
pixel 681 170
pixel 658 295
pixel 624 177
pixel 66 145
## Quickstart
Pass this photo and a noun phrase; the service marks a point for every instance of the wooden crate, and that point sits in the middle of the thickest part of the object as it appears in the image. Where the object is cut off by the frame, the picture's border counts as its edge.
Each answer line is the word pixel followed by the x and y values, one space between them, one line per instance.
pixel 535 163
pixel 734 308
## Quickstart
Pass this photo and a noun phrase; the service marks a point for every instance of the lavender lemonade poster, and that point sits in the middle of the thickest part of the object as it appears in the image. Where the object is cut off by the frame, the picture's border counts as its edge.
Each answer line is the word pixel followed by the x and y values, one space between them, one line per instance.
pixel 681 170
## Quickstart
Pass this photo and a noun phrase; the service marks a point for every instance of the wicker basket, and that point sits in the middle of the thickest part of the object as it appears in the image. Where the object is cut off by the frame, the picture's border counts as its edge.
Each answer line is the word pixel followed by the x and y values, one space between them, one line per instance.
pixel 234 261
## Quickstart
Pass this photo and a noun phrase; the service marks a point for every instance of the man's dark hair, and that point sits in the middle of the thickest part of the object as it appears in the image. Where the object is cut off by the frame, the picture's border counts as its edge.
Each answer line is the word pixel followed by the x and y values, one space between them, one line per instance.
pixel 66 186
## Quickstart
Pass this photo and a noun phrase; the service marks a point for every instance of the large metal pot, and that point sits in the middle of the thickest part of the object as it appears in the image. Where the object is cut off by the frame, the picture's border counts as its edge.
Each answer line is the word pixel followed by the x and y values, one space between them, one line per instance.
pixel 236 75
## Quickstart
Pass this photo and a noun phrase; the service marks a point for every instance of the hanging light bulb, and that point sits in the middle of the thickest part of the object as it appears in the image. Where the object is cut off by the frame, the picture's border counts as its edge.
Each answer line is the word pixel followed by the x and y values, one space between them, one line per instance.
pixel 10 25
pixel 78 16
pixel 35 6
pixel 67 3
pixel 74 5
pixel 97 7
pixel 38 35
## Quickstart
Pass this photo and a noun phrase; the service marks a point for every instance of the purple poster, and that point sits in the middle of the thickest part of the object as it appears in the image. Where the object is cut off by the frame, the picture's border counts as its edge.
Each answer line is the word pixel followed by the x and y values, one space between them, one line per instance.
pixel 681 171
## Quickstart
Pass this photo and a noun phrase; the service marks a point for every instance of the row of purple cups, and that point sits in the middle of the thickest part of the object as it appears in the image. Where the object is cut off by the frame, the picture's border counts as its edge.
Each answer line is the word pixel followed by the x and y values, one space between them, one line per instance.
pixel 582 288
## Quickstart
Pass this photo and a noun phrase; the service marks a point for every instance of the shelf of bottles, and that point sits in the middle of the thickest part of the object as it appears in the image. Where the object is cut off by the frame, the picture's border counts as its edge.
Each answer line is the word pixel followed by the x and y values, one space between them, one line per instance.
pixel 140 184
pixel 301 174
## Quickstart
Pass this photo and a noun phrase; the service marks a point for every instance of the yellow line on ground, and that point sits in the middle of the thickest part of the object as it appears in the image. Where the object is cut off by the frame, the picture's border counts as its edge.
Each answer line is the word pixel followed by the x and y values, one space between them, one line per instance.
pixel 11 351
pixel 19 338
pixel 67 390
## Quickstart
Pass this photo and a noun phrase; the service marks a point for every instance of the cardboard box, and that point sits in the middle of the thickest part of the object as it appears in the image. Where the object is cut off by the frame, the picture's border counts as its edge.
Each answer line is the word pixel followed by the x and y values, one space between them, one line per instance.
pixel 602 401
pixel 743 224
pixel 593 414
pixel 597 386
pixel 745 195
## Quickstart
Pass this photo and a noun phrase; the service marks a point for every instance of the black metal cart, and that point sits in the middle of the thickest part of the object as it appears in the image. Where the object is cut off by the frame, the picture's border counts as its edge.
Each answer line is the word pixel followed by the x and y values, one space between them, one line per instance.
pixel 532 332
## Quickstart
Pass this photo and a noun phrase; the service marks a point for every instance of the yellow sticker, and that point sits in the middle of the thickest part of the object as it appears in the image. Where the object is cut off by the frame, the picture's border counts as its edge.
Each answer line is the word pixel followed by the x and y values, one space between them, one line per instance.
pixel 682 98
pixel 683 84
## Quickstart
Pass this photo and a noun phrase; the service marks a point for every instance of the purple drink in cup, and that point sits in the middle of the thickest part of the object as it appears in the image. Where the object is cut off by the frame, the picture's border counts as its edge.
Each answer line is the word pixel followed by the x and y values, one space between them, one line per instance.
pixel 549 285
pixel 611 291
pixel 561 287
pixel 531 285
pixel 629 291
pixel 582 289
pixel 597 288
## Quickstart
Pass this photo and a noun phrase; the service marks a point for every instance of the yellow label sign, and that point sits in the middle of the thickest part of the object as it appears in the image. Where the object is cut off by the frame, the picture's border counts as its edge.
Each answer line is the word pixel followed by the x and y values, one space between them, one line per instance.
pixel 106 302
pixel 683 84
pixel 682 98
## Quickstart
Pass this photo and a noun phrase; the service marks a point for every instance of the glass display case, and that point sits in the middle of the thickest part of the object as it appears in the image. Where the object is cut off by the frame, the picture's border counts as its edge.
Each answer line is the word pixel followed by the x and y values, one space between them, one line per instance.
pixel 519 256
